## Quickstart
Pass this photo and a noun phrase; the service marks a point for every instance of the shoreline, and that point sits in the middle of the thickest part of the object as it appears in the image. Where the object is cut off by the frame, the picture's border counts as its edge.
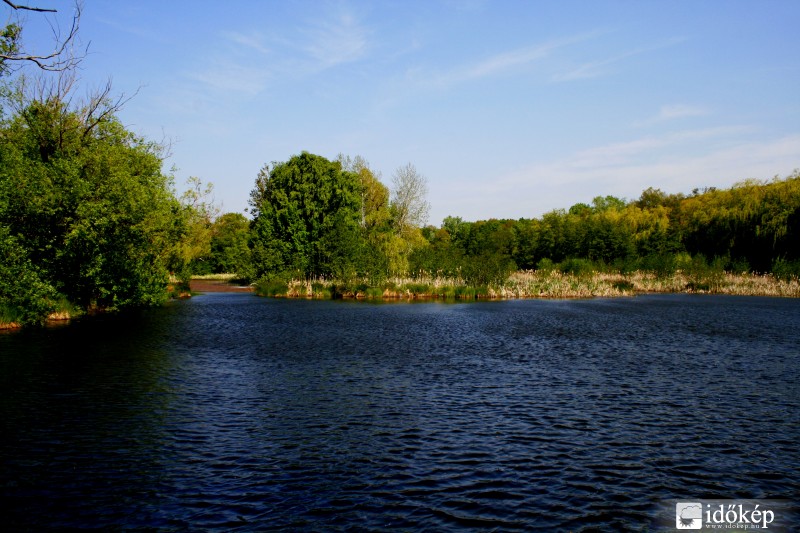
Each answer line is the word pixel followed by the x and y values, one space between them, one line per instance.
pixel 522 285
pixel 541 285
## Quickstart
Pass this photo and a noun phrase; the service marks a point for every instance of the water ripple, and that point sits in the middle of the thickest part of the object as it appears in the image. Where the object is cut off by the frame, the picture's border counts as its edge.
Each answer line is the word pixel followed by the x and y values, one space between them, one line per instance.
pixel 233 412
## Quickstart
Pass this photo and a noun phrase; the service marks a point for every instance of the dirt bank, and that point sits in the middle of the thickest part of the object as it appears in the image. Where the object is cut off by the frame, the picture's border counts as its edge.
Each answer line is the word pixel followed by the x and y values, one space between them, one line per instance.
pixel 203 285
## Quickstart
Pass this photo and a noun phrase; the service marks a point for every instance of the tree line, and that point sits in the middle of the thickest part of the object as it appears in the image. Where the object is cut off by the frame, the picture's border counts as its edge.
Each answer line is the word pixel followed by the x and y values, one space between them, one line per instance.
pixel 89 221
pixel 753 226
pixel 315 218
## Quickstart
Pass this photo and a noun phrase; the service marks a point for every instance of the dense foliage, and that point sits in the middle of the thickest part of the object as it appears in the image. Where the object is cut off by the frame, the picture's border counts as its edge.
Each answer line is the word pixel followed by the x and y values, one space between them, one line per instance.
pixel 319 218
pixel 228 248
pixel 86 214
pixel 753 226
pixel 88 221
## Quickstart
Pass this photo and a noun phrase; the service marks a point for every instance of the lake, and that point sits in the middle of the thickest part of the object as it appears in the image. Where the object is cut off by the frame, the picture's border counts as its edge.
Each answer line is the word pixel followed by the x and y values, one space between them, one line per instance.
pixel 232 411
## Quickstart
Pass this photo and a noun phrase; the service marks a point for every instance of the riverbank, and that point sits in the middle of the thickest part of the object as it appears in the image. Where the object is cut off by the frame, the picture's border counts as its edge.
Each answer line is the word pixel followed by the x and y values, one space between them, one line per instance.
pixel 204 285
pixel 53 318
pixel 218 283
pixel 540 284
pixel 520 285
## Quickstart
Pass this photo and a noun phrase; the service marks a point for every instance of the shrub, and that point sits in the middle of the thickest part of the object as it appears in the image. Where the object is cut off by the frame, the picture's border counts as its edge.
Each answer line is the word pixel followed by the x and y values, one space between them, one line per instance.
pixel 25 298
pixel 660 264
pixel 786 270
pixel 374 293
pixel 546 265
pixel 271 287
pixel 488 269
pixel 577 266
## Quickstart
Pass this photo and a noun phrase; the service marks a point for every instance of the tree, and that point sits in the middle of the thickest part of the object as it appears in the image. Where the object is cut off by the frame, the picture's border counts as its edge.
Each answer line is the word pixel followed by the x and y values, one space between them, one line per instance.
pixel 307 218
pixel 24 296
pixel 604 203
pixel 230 253
pixel 374 194
pixel 409 203
pixel 85 206
pixel 198 214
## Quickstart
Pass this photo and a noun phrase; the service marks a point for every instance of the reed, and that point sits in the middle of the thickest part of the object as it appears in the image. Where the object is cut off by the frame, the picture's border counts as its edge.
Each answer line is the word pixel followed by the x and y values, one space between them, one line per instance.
pixel 64 310
pixel 216 277
pixel 544 283
pixel 10 318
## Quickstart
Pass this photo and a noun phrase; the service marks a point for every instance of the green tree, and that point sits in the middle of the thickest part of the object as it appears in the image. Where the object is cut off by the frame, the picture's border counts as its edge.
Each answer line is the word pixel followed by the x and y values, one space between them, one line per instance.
pixel 86 205
pixel 230 252
pixel 604 203
pixel 25 297
pixel 198 213
pixel 307 218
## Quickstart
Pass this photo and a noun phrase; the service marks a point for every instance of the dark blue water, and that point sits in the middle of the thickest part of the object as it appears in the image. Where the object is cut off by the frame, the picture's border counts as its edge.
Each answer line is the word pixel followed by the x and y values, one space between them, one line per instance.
pixel 230 411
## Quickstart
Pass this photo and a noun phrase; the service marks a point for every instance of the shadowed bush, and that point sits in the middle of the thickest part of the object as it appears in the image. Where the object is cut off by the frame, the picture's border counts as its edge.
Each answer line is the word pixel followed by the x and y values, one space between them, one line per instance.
pixel 786 270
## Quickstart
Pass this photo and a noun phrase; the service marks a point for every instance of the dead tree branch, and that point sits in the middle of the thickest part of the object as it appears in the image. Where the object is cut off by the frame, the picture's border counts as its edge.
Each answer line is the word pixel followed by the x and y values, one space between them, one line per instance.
pixel 63 56
pixel 29 8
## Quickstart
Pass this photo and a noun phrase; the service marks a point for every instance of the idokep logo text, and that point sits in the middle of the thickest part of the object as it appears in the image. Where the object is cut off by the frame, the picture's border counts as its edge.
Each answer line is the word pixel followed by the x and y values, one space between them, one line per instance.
pixel 774 515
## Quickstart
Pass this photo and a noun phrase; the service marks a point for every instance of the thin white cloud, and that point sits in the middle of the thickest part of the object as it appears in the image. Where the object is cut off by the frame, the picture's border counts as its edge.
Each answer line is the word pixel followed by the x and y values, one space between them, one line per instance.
pixel 253 41
pixel 246 62
pixel 595 69
pixel 542 187
pixel 620 153
pixel 503 62
pixel 224 75
pixel 674 112
pixel 671 112
pixel 141 32
pixel 335 39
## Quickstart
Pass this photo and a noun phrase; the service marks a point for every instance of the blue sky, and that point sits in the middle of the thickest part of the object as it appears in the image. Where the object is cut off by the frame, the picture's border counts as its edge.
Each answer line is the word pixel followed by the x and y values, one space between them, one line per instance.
pixel 509 108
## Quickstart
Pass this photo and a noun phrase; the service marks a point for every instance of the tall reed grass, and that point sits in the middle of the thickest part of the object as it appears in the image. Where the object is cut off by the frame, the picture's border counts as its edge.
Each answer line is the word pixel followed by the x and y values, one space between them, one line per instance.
pixel 539 284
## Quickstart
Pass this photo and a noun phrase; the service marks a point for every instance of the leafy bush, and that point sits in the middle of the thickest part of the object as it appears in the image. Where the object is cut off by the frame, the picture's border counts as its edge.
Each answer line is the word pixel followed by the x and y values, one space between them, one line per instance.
pixel 271 287
pixel 660 264
pixel 373 293
pixel 786 270
pixel 487 269
pixel 25 298
pixel 546 265
pixel 577 266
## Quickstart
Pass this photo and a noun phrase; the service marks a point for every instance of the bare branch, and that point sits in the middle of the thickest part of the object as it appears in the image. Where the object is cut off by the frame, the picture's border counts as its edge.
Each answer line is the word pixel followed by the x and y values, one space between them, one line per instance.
pixel 410 189
pixel 63 57
pixel 99 107
pixel 29 8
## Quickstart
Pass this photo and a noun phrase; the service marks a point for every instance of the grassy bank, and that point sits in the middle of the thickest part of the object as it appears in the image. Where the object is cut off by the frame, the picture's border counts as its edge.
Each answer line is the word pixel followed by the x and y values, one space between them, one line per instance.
pixel 539 284
pixel 63 310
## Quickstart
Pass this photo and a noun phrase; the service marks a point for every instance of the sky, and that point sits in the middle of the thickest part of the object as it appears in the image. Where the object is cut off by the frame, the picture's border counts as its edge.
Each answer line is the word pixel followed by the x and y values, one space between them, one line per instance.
pixel 509 109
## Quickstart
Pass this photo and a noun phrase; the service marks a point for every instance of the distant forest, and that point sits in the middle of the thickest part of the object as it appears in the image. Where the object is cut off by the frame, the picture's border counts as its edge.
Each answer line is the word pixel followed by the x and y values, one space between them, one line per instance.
pixel 318 218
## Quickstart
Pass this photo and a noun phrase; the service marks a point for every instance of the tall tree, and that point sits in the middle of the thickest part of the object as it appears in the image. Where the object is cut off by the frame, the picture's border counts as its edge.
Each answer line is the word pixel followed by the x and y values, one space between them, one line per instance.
pixel 308 214
pixel 198 214
pixel 89 206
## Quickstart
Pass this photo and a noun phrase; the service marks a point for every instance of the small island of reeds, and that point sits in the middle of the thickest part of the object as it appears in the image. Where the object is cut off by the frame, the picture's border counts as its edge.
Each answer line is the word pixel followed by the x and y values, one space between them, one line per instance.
pixel 539 284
